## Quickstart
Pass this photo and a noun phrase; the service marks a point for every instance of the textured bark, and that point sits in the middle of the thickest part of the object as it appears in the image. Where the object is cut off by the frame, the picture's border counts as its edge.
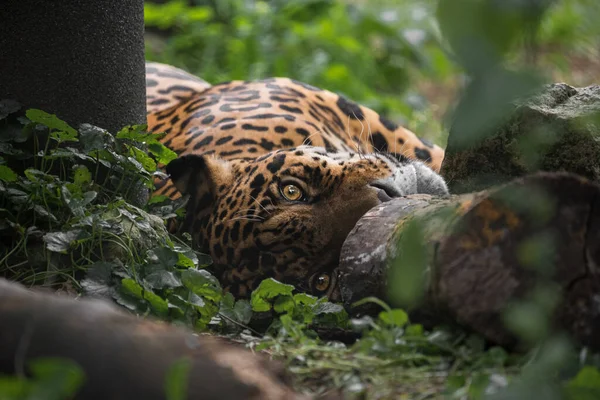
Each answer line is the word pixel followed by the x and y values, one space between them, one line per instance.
pixel 476 263
pixel 83 61
pixel 555 130
pixel 124 357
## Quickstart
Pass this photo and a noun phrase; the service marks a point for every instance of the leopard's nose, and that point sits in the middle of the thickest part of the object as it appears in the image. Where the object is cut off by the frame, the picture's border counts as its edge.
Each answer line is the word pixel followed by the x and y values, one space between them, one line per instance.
pixel 386 189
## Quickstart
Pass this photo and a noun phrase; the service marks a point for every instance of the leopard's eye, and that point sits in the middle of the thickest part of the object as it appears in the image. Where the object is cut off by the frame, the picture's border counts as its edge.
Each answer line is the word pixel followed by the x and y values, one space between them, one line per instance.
pixel 322 282
pixel 292 192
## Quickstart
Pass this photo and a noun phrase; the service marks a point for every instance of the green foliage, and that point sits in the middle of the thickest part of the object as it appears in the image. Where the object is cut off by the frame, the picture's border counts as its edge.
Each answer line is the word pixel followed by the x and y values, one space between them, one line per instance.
pixel 68 218
pixel 370 54
pixel 177 380
pixel 296 311
pixel 50 379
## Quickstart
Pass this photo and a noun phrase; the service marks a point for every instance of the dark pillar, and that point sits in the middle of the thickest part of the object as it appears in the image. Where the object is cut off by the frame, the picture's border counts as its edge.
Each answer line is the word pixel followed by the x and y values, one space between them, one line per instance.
pixel 80 60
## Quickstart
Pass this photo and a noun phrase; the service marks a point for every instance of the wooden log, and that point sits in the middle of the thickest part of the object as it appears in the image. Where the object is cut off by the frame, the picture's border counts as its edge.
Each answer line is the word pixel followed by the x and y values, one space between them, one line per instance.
pixel 480 254
pixel 124 357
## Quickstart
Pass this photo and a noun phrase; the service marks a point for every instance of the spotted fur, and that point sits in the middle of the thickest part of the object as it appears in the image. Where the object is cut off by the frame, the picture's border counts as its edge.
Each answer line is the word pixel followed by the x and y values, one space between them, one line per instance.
pixel 241 143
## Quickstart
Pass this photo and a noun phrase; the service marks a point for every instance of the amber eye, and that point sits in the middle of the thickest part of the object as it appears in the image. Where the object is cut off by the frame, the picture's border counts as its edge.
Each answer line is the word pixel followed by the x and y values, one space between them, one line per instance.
pixel 322 282
pixel 291 192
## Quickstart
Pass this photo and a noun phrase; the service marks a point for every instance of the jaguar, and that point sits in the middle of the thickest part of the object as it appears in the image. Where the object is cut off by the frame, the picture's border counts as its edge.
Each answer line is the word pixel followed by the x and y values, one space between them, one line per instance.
pixel 278 172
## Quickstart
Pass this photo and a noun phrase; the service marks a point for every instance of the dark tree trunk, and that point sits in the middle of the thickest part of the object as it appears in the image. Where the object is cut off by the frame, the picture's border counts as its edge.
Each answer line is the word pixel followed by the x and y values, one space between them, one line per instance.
pixel 83 61
pixel 475 263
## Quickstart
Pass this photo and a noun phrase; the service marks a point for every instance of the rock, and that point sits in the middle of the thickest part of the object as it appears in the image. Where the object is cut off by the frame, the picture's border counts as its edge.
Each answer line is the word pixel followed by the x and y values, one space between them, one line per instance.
pixel 558 129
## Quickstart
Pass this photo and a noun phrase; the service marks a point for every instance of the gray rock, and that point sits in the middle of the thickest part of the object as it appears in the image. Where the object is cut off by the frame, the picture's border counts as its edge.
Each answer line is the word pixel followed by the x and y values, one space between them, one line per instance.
pixel 558 129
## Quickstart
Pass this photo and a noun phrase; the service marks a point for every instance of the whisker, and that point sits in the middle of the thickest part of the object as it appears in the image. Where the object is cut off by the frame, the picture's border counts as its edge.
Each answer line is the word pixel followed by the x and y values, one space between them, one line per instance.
pixel 261 206
pixel 362 129
pixel 308 138
pixel 252 218
pixel 350 137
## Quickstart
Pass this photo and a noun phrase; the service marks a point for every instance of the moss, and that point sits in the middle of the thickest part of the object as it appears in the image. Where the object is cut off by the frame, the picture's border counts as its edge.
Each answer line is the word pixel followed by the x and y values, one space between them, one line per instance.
pixel 556 130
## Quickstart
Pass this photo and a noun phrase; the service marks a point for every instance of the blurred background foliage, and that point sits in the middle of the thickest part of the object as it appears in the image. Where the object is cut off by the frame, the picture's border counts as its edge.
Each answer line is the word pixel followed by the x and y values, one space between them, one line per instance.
pixel 389 55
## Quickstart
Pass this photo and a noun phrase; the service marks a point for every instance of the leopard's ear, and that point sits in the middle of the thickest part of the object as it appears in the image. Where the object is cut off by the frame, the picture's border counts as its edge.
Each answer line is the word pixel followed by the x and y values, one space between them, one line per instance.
pixel 200 176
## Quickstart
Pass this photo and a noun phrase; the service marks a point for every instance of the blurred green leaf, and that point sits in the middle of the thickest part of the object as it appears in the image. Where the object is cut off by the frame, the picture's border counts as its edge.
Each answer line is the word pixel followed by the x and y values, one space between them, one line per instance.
pixel 270 290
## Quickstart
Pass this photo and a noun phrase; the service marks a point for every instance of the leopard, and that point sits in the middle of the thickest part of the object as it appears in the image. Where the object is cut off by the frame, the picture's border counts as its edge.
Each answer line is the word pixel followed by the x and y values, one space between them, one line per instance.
pixel 277 172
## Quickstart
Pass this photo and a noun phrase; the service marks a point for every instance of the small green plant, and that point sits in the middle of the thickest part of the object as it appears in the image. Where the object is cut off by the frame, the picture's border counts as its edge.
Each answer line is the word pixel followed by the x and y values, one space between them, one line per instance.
pixel 51 379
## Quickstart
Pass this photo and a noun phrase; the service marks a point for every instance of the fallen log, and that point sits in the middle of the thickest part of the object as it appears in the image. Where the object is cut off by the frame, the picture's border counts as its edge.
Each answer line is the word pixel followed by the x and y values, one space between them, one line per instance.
pixel 480 255
pixel 124 357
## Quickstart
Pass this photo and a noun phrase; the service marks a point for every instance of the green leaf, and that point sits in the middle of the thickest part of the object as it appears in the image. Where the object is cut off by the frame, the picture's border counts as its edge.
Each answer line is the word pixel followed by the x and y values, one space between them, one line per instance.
pixel 67 133
pixel 305 299
pixel 585 385
pixel 94 138
pixel 55 378
pixel 133 288
pixel 185 261
pixel 7 107
pixel 202 283
pixel 243 311
pixel 77 205
pixel 162 257
pixel 141 157
pixel 268 290
pixel 407 274
pixel 82 175
pixel 331 314
pixel 7 174
pixel 396 317
pixel 162 279
pixel 284 304
pixel 137 133
pixel 158 304
pixel 98 279
pixel 157 199
pixel 163 154
pixel 178 375
pixel 239 311
pixel 60 242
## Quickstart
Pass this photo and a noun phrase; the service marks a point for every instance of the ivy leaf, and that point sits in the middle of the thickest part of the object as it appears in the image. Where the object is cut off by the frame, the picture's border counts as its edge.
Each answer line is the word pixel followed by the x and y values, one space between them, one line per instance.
pixel 162 257
pixel 97 281
pixel 82 175
pixel 55 378
pixel 60 242
pixel 7 107
pixel 305 299
pixel 77 205
pixel 146 162
pixel 157 199
pixel 396 317
pixel 158 304
pixel 284 304
pixel 137 133
pixel 162 279
pixel 42 212
pixel 61 131
pixel 202 283
pixel 94 138
pixel 239 311
pixel 328 313
pixel 585 385
pixel 243 311
pixel 163 154
pixel 268 290
pixel 7 174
